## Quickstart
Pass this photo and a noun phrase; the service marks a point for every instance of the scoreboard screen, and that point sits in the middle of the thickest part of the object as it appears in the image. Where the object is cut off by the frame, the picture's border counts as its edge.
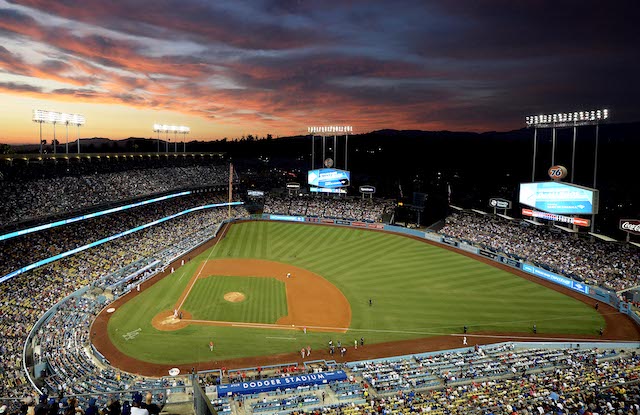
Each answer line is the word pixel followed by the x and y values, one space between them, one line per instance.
pixel 329 178
pixel 559 198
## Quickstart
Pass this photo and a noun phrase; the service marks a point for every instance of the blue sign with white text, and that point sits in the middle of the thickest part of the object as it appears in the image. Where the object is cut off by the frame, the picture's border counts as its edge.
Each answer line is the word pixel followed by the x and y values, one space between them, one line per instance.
pixel 558 279
pixel 287 218
pixel 271 384
pixel 329 178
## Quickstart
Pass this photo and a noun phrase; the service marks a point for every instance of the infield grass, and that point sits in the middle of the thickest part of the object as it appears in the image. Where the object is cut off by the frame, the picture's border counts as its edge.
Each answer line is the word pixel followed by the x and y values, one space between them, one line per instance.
pixel 265 299
pixel 417 289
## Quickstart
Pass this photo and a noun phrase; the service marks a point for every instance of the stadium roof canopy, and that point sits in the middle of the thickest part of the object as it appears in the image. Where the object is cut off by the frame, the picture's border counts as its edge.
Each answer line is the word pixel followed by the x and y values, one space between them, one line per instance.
pixel 479 211
pixel 635 244
pixel 505 216
pixel 603 237
pixel 565 229
pixel 533 222
pixel 455 207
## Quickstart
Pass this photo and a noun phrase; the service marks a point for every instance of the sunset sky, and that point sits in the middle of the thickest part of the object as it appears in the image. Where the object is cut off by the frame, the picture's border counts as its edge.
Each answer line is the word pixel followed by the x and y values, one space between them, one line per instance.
pixel 229 68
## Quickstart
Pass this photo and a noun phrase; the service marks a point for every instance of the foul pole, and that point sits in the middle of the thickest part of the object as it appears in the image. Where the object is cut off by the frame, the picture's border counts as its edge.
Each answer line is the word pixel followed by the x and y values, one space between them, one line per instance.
pixel 230 189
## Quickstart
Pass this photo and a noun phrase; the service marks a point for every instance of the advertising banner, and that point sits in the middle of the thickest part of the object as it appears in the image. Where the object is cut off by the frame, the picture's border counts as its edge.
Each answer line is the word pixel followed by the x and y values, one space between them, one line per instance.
pixel 432 237
pixel 488 254
pixel 555 278
pixel 341 222
pixel 556 218
pixel 510 262
pixel 287 218
pixel 630 225
pixel 450 241
pixel 376 226
pixel 327 190
pixel 271 384
pixel 467 247
pixel 498 203
pixel 560 198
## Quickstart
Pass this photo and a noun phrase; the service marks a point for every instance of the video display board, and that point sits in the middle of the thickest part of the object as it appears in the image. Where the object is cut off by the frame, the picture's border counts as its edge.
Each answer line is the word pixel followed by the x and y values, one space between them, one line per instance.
pixel 559 198
pixel 329 178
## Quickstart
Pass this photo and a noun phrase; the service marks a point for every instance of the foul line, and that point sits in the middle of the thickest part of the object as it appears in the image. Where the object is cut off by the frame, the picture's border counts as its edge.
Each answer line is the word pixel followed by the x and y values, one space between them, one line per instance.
pixel 204 263
pixel 556 339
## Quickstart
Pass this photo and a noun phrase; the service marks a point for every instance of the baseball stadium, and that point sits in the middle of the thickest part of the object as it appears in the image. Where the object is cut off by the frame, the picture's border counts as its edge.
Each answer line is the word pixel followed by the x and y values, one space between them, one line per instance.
pixel 205 294
pixel 416 231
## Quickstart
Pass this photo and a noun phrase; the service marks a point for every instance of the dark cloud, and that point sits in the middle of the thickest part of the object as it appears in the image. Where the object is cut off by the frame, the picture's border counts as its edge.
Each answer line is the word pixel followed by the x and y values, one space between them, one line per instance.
pixel 16 87
pixel 411 64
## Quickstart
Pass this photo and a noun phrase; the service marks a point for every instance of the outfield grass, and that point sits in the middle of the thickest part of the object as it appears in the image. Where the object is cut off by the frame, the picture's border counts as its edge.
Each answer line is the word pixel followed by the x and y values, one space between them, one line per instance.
pixel 265 302
pixel 418 290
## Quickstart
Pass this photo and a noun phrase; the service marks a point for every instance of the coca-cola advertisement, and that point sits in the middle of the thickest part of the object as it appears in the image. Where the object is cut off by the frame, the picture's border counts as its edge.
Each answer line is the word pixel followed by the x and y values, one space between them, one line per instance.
pixel 630 225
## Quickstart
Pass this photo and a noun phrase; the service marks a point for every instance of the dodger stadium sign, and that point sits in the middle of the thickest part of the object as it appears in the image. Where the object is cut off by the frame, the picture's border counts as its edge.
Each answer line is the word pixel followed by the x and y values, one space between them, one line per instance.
pixel 270 384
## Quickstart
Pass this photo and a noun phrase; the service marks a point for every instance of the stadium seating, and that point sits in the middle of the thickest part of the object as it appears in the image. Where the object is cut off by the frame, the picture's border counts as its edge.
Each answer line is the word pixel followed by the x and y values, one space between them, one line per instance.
pixel 595 262
pixel 28 296
pixel 28 196
pixel 334 208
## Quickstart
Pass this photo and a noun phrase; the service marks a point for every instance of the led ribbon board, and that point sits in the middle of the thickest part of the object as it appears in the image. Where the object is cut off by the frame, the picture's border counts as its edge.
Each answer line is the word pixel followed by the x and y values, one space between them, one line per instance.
pixel 89 216
pixel 111 238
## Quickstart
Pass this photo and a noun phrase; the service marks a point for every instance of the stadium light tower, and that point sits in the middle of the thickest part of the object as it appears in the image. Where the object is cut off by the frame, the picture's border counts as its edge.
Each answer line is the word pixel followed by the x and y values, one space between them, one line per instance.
pixel 567 120
pixel 52 117
pixel 325 130
pixel 78 120
pixel 175 129
pixel 40 119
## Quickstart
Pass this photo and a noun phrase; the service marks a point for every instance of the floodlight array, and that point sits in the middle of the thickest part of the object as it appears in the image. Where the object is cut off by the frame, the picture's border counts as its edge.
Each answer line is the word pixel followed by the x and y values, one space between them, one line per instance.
pixel 577 117
pixel 163 128
pixel 53 117
pixel 331 129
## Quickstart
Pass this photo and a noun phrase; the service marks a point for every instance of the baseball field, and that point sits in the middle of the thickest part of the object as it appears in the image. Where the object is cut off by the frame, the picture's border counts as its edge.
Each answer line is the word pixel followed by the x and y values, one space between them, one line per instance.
pixel 344 284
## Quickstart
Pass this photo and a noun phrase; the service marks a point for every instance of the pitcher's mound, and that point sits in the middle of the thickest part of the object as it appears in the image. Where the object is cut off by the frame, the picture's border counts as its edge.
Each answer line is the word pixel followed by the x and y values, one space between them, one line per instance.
pixel 234 297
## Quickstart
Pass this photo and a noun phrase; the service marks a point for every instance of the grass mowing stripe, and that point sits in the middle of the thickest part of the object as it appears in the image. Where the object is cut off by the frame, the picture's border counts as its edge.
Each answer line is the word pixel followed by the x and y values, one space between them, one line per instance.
pixel 417 289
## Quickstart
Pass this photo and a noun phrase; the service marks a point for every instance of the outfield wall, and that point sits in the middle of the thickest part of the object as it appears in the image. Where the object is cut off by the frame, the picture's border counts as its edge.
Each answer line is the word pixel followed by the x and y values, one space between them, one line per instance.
pixel 597 293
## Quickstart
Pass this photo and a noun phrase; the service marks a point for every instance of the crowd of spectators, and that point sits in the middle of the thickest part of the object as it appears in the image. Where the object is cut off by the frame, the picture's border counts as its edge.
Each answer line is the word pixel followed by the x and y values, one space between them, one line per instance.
pixel 31 199
pixel 111 404
pixel 499 380
pixel 607 264
pixel 350 208
pixel 26 297
pixel 20 251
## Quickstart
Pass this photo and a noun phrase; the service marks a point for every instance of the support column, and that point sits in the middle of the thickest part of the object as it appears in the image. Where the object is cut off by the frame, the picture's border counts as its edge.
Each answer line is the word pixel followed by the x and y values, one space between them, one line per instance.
pixel 535 152
pixel 346 151
pixel 595 175
pixel 324 156
pixel 573 154
pixel 313 151
pixel 553 146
